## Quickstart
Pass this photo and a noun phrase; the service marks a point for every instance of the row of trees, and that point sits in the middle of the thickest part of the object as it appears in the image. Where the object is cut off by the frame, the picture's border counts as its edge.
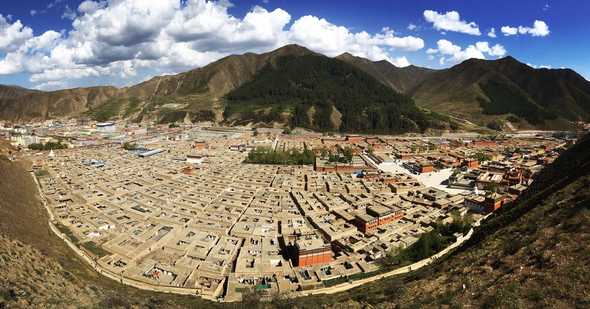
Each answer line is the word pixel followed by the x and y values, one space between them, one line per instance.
pixel 48 146
pixel 429 243
pixel 265 155
pixel 482 156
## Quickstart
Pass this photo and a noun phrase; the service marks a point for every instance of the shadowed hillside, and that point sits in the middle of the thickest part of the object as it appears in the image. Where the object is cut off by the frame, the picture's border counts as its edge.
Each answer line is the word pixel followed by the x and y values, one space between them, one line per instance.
pixel 483 91
pixel 322 93
pixel 400 79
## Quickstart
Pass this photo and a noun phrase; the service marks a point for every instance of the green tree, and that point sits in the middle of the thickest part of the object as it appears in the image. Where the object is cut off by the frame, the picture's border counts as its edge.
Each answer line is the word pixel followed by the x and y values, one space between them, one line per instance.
pixel 48 146
pixel 265 155
pixel 482 156
pixel 129 146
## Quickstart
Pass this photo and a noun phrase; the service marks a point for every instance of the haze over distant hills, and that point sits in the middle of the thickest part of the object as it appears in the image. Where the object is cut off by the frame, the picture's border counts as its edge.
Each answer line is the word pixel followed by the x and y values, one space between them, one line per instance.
pixel 295 86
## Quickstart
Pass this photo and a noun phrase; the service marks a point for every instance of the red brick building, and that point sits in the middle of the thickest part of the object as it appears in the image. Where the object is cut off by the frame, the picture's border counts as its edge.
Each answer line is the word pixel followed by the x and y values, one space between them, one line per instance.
pixel 376 216
pixel 312 251
pixel 493 202
pixel 353 139
pixel 384 214
pixel 472 164
pixel 367 224
pixel 483 143
pixel 200 145
pixel 426 167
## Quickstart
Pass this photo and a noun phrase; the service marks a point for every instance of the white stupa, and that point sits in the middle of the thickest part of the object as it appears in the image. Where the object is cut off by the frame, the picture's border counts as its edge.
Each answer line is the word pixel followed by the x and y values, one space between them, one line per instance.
pixel 51 153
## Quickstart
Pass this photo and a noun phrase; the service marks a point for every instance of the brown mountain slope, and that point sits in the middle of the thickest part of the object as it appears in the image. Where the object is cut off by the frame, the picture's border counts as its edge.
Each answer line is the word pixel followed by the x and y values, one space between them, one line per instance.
pixel 275 88
pixel 10 92
pixel 217 78
pixel 195 93
pixel 29 104
pixel 483 90
pixel 201 90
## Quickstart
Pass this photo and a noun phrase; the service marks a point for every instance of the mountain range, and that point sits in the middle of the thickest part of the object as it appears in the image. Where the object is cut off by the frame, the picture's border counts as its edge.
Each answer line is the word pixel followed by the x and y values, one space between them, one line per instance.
pixel 491 91
pixel 293 86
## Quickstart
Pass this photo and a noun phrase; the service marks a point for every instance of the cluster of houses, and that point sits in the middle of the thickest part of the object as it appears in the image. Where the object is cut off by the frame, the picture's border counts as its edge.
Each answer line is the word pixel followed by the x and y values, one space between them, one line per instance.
pixel 182 209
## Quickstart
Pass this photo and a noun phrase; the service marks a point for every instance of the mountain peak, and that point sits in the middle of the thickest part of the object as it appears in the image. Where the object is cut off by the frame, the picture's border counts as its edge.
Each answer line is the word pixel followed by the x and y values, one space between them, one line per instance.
pixel 345 55
pixel 292 49
pixel 509 60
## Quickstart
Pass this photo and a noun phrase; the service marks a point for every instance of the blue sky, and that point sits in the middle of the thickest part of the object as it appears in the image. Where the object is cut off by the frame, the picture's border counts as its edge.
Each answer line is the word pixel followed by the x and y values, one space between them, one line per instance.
pixel 69 43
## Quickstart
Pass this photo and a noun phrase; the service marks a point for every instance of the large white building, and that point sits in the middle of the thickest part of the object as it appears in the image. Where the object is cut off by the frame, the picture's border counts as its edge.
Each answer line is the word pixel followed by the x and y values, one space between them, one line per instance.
pixel 106 127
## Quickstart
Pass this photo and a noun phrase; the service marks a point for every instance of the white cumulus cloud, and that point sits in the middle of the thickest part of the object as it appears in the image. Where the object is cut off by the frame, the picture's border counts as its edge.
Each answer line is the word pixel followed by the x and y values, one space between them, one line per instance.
pixel 122 39
pixel 448 51
pixel 451 21
pixel 327 38
pixel 539 28
pixel 89 6
pixel 539 66
pixel 492 33
pixel 400 62
pixel 13 35
pixel 508 31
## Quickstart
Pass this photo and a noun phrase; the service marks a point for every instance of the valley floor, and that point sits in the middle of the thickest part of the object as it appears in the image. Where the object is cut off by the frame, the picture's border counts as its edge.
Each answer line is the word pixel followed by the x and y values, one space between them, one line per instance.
pixel 532 254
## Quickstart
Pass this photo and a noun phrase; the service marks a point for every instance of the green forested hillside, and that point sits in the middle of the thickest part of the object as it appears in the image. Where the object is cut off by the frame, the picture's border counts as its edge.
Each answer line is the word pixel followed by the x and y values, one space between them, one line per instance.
pixel 322 93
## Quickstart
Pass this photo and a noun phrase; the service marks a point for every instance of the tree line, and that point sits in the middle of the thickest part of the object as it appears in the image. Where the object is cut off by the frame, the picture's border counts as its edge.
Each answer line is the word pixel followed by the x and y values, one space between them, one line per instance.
pixel 430 243
pixel 47 146
pixel 266 155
